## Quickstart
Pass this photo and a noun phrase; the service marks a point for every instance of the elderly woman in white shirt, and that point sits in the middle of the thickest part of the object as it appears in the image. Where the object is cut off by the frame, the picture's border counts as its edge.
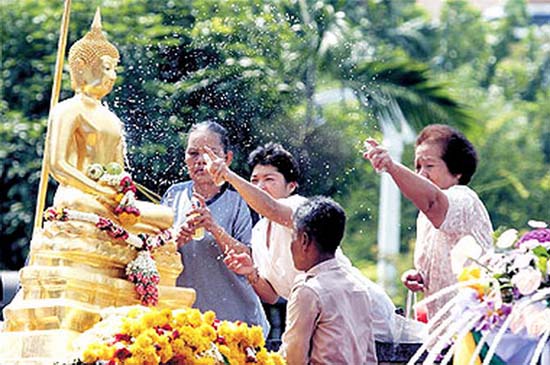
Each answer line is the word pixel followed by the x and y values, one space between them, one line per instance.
pixel 444 162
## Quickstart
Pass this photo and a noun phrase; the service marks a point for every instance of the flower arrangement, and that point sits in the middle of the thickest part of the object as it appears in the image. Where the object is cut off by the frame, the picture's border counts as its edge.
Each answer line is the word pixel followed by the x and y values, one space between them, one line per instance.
pixel 113 175
pixel 146 336
pixel 505 291
pixel 142 271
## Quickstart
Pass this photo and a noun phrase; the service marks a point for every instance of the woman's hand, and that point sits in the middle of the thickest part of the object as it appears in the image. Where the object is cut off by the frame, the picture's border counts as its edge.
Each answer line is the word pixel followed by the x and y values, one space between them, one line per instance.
pixel 184 234
pixel 200 216
pixel 216 166
pixel 413 280
pixel 378 156
pixel 240 263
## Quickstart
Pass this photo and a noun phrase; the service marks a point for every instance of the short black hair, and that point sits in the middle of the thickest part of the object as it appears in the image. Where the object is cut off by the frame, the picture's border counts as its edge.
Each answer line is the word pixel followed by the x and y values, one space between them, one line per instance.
pixel 275 155
pixel 213 127
pixel 457 151
pixel 323 220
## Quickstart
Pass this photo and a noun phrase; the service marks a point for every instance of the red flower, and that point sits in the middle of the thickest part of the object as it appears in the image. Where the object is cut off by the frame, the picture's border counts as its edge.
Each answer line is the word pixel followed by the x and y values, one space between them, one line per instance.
pixel 103 223
pixel 127 184
pixel 250 354
pixel 175 334
pixel 122 353
pixel 123 337
pixel 216 323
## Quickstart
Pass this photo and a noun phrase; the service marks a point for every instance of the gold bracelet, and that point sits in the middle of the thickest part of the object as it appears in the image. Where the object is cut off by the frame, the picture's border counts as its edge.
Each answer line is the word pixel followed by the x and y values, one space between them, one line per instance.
pixel 254 276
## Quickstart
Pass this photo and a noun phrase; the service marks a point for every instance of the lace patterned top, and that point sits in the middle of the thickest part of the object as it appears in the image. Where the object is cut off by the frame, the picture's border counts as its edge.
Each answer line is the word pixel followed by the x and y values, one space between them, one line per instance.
pixel 432 255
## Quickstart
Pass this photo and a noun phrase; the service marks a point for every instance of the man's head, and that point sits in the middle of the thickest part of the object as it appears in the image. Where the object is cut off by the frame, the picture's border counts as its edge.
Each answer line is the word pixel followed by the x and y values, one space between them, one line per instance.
pixel 319 226
pixel 274 170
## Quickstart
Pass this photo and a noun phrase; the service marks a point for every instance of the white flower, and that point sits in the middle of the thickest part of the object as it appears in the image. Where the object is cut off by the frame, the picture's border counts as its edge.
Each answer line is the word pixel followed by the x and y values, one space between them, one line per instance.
pixel 527 280
pixel 507 238
pixel 538 322
pixel 466 248
pixel 537 224
pixel 517 321
pixel 523 260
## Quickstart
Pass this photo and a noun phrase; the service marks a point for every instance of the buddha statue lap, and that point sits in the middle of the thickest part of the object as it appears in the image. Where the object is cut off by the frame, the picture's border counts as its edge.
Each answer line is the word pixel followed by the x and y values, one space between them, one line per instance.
pixel 97 233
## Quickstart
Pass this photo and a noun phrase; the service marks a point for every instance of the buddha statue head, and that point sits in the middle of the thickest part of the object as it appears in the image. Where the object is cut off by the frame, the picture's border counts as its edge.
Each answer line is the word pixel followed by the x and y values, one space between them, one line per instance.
pixel 92 62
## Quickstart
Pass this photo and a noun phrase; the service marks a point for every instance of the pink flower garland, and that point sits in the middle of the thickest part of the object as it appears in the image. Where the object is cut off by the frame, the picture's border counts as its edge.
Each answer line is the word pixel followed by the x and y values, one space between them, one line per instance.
pixel 142 271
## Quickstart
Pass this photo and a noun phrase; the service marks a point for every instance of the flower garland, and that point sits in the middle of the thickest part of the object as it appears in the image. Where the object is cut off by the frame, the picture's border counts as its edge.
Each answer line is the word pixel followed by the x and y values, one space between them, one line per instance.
pixel 151 336
pixel 142 271
pixel 505 290
pixel 113 175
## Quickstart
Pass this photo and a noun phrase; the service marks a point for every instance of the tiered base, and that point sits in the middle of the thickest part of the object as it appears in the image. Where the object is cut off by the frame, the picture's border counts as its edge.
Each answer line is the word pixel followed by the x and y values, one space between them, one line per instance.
pixel 36 347
pixel 75 271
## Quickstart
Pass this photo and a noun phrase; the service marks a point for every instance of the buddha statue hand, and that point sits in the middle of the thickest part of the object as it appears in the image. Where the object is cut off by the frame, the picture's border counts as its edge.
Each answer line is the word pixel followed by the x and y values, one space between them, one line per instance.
pixel 113 175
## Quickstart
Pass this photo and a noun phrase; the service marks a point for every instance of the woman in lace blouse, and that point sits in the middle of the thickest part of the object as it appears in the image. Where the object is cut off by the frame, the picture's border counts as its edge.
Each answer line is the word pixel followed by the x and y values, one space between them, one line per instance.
pixel 449 210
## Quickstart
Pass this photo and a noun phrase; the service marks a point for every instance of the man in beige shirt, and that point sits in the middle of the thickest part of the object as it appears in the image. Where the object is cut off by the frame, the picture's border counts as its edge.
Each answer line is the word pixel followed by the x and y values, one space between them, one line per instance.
pixel 329 310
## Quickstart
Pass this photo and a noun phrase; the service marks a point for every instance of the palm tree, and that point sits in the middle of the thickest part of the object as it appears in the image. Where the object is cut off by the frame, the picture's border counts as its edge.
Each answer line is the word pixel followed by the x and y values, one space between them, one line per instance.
pixel 349 45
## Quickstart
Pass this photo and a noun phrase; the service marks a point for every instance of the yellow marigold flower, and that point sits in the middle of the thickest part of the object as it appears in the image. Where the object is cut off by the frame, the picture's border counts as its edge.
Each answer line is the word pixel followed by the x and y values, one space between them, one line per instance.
pixel 224 350
pixel 206 361
pixel 152 334
pixel 263 358
pixel 135 312
pixel 195 318
pixel 143 341
pixel 187 353
pixel 472 273
pixel 240 333
pixel 209 317
pixel 165 351
pixel 256 337
pixel 237 358
pixel 93 352
pixel 146 355
pixel 227 331
pixel 277 359
pixel 148 320
pixel 132 361
pixel 126 326
pixel 208 332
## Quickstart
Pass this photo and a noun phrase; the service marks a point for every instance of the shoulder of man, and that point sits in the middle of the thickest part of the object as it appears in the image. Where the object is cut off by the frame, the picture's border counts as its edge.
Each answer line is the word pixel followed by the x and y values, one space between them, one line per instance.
pixel 293 201
pixel 305 279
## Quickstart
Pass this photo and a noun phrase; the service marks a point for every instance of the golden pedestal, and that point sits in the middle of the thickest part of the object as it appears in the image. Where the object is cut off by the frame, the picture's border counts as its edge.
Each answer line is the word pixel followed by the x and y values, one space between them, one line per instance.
pixel 74 272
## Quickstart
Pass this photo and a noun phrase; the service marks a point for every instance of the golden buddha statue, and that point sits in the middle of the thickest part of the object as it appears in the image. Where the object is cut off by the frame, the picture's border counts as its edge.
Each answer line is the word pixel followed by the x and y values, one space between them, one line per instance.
pixel 88 255
pixel 85 132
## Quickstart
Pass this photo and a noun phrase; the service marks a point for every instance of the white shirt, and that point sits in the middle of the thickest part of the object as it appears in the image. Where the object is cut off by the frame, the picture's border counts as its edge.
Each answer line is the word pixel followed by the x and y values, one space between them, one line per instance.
pixel 329 318
pixel 275 262
pixel 466 215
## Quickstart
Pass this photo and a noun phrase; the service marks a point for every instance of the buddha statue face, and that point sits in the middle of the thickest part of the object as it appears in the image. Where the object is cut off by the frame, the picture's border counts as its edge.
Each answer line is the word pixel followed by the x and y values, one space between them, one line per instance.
pixel 98 81
pixel 92 61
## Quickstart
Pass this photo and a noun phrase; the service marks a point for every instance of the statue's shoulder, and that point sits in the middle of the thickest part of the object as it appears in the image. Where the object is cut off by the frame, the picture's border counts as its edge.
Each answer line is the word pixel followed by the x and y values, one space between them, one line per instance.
pixel 74 106
pixel 67 108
